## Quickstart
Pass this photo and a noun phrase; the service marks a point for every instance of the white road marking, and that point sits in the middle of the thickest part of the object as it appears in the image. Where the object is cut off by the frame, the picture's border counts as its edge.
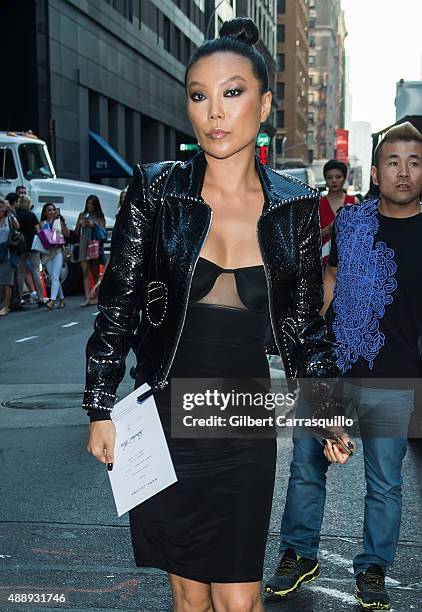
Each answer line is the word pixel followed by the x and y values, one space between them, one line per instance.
pixel 337 560
pixel 5 556
pixel 347 540
pixel 94 314
pixel 71 324
pixel 345 597
pixel 26 339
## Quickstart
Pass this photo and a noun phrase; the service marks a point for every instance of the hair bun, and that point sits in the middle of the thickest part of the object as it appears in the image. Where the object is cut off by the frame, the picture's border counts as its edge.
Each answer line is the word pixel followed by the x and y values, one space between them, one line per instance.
pixel 241 28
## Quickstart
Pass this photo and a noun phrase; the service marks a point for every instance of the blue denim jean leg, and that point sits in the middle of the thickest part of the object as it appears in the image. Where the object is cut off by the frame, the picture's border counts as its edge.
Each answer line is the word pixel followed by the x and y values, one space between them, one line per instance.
pixel 383 457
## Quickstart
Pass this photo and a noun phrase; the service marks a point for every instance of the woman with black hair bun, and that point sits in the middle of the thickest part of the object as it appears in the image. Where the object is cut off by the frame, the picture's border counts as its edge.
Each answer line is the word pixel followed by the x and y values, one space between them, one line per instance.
pixel 215 252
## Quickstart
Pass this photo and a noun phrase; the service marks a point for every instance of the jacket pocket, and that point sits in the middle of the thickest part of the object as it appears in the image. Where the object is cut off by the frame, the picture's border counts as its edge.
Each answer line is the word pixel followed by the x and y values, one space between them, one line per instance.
pixel 156 303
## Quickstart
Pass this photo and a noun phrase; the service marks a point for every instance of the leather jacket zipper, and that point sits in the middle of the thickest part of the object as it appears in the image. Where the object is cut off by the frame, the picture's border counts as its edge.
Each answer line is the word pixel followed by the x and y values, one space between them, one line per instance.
pixel 267 276
pixel 164 382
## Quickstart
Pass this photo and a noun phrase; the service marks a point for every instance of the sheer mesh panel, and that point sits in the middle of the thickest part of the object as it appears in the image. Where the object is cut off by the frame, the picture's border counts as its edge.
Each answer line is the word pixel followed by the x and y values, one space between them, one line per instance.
pixel 224 292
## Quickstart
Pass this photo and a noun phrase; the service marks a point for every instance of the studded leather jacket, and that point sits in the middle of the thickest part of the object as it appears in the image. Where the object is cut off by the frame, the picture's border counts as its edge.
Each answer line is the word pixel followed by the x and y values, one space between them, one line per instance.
pixel 153 258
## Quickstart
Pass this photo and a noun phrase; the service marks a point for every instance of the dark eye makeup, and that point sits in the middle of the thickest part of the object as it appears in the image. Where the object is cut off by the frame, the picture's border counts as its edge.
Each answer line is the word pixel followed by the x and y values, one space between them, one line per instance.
pixel 233 92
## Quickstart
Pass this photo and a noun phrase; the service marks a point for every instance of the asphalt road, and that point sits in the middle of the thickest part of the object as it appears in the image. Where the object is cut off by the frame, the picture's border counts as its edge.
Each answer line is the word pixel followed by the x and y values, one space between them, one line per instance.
pixel 59 531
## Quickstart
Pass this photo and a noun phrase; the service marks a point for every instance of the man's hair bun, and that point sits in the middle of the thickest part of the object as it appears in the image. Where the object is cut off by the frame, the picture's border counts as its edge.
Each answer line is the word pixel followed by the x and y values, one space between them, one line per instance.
pixel 242 29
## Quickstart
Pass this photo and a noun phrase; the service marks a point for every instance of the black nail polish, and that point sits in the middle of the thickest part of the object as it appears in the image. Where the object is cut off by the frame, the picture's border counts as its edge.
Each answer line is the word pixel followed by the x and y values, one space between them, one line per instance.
pixel 109 466
pixel 350 445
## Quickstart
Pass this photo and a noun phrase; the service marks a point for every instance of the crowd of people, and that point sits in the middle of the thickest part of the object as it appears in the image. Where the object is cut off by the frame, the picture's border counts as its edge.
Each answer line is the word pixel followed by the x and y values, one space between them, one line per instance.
pixel 33 249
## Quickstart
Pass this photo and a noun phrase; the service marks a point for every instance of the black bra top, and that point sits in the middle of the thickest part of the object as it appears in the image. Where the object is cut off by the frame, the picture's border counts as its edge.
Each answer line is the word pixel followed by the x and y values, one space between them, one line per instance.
pixel 251 283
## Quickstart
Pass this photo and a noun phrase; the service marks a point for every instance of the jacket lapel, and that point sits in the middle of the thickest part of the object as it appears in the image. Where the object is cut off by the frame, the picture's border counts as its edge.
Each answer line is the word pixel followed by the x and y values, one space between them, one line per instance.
pixel 279 188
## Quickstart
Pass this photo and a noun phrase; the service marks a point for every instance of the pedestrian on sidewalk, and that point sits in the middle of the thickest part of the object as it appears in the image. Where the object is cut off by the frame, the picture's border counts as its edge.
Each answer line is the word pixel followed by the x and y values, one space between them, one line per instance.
pixel 8 263
pixel 224 261
pixel 335 174
pixel 20 190
pixel 15 304
pixel 51 219
pixel 29 227
pixel 90 227
pixel 121 199
pixel 374 299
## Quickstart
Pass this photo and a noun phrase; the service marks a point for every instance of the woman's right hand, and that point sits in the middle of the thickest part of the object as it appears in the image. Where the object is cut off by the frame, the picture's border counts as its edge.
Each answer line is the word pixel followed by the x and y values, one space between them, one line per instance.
pixel 333 451
pixel 101 439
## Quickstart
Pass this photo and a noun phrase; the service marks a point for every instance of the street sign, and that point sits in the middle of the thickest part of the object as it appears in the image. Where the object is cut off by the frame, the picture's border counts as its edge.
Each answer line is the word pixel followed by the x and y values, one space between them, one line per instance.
pixel 188 146
pixel 263 140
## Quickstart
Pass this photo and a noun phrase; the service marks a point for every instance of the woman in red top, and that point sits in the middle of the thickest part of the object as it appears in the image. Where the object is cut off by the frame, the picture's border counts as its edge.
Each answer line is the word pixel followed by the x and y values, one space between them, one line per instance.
pixel 335 174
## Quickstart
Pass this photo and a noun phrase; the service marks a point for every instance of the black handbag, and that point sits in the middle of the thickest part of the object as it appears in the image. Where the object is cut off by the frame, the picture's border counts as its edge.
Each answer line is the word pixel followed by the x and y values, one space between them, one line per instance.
pixel 16 242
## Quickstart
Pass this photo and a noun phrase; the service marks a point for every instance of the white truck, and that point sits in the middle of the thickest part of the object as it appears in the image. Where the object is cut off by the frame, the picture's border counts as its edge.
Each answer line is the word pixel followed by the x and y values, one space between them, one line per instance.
pixel 25 160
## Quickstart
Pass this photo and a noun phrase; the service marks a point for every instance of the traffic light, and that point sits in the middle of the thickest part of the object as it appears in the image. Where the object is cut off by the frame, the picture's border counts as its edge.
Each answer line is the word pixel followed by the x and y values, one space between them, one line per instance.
pixel 263 154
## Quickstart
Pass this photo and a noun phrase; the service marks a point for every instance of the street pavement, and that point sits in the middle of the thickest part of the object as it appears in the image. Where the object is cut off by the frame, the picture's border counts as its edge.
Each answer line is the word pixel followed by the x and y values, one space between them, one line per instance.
pixel 59 531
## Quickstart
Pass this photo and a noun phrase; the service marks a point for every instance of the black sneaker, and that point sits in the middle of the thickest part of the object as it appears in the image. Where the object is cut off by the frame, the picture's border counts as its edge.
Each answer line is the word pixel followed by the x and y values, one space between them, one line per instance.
pixel 370 589
pixel 293 570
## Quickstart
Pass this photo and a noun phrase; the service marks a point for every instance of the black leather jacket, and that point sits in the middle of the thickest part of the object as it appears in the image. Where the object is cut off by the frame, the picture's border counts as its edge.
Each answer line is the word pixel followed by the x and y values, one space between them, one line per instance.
pixel 157 280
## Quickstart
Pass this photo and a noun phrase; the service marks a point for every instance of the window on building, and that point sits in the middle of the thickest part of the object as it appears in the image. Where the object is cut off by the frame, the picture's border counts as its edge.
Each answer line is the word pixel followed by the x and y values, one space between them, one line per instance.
pixel 281 62
pixel 281 6
pixel 279 119
pixel 186 49
pixel 166 33
pixel 179 50
pixel 112 123
pixel 279 146
pixel 130 135
pixel 149 15
pixel 280 91
pixel 124 7
pixel 312 60
pixel 94 111
pixel 311 117
pixel 312 22
pixel 281 33
pixel 312 41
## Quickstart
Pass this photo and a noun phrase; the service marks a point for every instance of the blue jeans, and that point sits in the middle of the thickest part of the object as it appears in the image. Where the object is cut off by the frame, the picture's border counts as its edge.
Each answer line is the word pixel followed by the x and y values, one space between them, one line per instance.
pixel 383 457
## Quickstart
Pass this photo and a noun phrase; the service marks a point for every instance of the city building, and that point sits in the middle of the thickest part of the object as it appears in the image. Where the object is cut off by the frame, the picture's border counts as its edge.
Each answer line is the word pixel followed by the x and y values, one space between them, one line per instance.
pixel 263 12
pixel 89 72
pixel 291 91
pixel 98 78
pixel 327 77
